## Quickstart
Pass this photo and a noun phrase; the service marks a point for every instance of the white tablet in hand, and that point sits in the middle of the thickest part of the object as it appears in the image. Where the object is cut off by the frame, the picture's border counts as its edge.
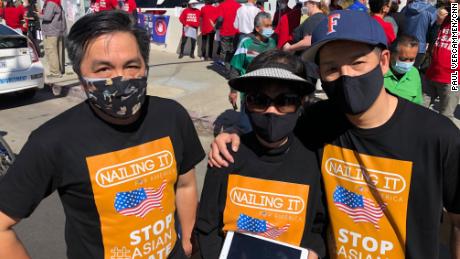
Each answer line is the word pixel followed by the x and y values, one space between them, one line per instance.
pixel 248 246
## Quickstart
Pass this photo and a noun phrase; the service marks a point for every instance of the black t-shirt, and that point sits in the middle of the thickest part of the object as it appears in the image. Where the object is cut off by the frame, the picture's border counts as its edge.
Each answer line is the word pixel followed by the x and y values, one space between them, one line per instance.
pixel 306 29
pixel 386 186
pixel 308 26
pixel 279 189
pixel 116 183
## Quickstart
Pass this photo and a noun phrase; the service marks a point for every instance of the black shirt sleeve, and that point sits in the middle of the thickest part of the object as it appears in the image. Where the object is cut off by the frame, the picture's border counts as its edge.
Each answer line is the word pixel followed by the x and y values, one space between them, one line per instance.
pixel 297 34
pixel 192 150
pixel 451 173
pixel 30 179
pixel 209 222
pixel 310 24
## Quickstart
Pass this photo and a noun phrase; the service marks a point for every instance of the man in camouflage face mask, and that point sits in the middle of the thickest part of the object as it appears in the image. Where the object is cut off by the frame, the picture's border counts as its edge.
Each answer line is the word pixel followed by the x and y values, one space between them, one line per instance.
pixel 123 162
pixel 117 97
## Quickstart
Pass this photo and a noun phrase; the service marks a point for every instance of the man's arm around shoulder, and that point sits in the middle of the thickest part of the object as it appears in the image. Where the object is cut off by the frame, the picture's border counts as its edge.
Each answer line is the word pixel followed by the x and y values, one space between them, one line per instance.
pixel 10 246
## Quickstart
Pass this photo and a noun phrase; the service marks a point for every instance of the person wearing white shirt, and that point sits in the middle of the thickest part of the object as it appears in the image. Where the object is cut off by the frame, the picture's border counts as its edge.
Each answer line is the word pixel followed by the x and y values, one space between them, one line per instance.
pixel 244 20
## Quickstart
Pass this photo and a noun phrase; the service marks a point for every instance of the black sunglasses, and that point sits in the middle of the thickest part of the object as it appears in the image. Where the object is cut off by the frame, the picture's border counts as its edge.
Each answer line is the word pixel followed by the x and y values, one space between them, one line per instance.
pixel 285 103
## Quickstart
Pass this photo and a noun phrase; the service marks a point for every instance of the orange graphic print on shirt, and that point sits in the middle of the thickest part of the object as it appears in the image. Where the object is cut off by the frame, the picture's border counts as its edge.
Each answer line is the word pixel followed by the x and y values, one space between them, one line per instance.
pixel 134 194
pixel 367 199
pixel 272 209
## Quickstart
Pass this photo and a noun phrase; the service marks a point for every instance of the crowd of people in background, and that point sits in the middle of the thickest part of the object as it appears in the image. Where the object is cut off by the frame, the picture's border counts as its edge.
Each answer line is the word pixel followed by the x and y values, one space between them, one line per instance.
pixel 232 25
pixel 129 6
pixel 47 24
pixel 369 163
pixel 418 26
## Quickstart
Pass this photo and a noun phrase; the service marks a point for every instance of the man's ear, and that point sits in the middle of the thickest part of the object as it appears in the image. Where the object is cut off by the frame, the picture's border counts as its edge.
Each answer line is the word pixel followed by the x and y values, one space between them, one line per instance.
pixel 385 61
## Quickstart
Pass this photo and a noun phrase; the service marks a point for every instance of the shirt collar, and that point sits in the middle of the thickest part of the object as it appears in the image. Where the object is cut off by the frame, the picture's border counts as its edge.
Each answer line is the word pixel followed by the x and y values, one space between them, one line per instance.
pixel 406 77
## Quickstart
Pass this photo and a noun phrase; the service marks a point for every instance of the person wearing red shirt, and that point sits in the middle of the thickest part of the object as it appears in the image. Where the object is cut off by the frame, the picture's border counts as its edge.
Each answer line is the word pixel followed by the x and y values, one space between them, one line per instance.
pixel 190 19
pixel 14 16
pixel 378 9
pixel 208 20
pixel 282 8
pixel 439 72
pixel 24 23
pixel 228 40
pixel 129 6
pixel 287 23
pixel 104 5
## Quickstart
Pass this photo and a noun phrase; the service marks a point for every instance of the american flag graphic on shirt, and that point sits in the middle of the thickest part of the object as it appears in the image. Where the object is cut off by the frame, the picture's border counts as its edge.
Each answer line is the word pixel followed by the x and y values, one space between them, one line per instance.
pixel 260 227
pixel 357 207
pixel 140 201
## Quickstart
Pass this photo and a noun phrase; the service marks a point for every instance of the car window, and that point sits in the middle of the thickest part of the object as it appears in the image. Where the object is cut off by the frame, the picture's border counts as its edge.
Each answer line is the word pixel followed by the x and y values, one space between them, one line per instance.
pixel 12 42
pixel 11 39
pixel 6 31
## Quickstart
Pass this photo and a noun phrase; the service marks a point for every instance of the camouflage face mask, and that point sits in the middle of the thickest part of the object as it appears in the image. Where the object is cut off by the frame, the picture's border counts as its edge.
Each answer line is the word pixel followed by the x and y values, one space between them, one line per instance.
pixel 118 97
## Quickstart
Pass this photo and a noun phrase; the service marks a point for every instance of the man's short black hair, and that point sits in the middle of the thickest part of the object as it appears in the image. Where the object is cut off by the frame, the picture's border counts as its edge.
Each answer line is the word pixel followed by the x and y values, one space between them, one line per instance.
pixel 91 26
pixel 404 40
pixel 376 6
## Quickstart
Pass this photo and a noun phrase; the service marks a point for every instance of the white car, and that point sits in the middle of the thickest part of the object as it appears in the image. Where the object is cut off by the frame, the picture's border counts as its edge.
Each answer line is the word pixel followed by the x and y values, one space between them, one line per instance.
pixel 20 67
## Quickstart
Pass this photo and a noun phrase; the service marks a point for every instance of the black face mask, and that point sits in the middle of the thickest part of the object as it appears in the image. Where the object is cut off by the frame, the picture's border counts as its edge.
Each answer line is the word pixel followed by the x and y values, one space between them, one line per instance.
pixel 272 127
pixel 355 94
pixel 117 97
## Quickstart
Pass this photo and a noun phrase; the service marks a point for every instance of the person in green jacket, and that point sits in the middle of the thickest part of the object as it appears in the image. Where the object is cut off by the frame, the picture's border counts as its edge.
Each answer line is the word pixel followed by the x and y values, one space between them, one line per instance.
pixel 403 79
pixel 249 47
pixel 254 43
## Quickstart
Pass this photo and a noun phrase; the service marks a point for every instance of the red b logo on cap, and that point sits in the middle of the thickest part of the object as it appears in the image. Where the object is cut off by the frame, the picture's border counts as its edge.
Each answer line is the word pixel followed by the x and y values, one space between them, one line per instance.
pixel 332 22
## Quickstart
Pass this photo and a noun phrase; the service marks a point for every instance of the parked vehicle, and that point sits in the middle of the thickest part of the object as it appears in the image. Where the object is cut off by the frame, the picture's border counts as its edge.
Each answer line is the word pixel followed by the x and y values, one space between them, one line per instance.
pixel 20 66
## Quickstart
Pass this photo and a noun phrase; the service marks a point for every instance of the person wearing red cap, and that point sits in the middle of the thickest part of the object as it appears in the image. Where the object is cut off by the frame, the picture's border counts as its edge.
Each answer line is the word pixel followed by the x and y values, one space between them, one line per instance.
pixel 389 167
pixel 190 19
pixel 208 22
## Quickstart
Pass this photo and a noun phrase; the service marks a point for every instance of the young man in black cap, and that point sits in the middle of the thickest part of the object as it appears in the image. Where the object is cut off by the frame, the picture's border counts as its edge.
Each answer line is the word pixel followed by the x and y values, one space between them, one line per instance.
pixel 388 173
pixel 272 166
